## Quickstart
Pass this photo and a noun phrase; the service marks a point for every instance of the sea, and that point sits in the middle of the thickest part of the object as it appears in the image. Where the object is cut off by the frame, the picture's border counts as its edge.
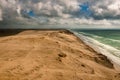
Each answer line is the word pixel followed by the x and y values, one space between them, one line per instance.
pixel 104 41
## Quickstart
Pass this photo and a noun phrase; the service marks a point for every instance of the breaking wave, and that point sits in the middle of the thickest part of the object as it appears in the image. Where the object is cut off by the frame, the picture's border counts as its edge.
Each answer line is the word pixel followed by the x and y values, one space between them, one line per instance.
pixel 112 53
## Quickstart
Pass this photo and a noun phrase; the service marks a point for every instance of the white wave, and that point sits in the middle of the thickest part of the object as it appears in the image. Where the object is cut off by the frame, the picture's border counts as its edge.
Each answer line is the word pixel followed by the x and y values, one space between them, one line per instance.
pixel 92 35
pixel 109 51
pixel 100 37
pixel 113 40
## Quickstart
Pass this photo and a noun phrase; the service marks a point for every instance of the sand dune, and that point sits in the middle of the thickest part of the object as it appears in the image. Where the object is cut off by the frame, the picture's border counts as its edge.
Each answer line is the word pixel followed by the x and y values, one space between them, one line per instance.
pixel 50 55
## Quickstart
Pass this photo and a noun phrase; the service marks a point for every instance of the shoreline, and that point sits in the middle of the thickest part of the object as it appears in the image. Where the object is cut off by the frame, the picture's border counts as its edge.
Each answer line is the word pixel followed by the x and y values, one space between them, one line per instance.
pixel 115 64
pixel 56 51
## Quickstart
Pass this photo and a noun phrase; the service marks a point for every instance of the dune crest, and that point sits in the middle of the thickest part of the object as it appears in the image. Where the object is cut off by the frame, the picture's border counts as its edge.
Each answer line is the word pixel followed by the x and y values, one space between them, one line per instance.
pixel 51 55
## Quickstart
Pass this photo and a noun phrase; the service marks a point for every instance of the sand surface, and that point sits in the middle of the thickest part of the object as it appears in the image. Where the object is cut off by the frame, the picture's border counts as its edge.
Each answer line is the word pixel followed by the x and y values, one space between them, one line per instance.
pixel 50 55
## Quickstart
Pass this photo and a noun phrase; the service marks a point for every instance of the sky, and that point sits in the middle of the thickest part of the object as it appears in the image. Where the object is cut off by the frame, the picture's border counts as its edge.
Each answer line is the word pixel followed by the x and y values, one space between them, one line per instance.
pixel 86 12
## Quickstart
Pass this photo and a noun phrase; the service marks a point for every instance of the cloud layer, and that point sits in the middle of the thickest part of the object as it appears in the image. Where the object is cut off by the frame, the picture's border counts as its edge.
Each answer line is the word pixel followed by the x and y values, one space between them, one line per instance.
pixel 65 11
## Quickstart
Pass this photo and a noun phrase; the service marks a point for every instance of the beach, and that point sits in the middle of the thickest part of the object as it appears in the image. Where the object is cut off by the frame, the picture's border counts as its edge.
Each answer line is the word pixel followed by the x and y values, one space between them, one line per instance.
pixel 51 55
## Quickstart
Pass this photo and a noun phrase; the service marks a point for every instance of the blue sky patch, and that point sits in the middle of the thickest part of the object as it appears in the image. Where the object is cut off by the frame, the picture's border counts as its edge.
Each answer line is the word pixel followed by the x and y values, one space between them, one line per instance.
pixel 31 13
pixel 85 9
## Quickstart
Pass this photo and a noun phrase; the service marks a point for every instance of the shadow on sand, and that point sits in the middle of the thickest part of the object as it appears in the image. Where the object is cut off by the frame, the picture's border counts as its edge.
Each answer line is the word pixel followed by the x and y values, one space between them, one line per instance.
pixel 9 32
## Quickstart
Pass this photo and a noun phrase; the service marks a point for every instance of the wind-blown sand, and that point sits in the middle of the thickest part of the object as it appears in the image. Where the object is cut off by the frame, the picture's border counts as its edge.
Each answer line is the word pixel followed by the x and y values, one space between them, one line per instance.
pixel 50 55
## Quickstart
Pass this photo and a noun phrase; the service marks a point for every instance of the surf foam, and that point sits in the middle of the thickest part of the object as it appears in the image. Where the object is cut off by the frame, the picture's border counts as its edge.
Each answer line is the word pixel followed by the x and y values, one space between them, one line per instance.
pixel 109 51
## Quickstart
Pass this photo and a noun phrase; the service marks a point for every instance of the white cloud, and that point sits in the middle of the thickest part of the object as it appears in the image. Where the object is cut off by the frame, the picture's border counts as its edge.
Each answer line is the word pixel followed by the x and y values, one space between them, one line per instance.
pixel 0 15
pixel 61 8
pixel 61 11
pixel 107 8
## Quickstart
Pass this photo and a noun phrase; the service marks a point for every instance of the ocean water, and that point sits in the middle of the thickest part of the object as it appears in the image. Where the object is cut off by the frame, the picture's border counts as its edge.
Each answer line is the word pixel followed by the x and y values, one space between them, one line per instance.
pixel 106 42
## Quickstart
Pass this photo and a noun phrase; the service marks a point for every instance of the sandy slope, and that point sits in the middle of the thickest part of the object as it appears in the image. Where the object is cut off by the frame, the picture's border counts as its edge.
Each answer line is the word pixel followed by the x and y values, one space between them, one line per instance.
pixel 50 55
